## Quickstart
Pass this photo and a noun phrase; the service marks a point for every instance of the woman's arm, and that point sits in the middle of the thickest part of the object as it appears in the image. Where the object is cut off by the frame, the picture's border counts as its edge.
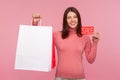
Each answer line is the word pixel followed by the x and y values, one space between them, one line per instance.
pixel 91 48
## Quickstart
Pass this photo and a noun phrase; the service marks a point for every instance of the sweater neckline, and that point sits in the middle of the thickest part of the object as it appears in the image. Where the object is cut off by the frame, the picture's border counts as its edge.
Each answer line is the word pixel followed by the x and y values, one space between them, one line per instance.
pixel 72 31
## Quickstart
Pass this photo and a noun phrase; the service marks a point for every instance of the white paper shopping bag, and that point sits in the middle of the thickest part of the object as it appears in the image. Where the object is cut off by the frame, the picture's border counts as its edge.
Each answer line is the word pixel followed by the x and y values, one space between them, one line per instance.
pixel 34 48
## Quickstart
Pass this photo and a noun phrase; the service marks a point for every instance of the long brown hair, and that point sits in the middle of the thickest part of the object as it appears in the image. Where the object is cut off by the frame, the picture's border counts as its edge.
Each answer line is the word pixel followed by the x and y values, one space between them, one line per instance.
pixel 65 30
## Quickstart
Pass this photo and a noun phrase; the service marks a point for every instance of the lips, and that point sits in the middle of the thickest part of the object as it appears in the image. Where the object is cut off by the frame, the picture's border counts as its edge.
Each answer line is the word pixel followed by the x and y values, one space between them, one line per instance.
pixel 72 24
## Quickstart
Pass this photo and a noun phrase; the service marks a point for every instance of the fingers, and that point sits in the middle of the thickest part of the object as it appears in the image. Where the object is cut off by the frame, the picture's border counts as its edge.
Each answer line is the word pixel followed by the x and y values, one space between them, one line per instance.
pixel 36 18
pixel 96 36
pixel 36 15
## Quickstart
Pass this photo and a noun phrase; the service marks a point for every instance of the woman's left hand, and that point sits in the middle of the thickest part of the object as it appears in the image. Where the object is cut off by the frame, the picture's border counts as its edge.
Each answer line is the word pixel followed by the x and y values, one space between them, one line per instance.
pixel 96 36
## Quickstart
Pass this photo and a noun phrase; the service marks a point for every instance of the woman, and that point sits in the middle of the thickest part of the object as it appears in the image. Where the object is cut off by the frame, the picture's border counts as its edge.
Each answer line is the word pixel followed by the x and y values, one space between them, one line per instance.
pixel 71 44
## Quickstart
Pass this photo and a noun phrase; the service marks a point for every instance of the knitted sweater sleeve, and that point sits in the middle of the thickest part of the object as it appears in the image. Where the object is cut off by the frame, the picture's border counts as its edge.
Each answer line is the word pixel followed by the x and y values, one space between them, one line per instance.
pixel 90 50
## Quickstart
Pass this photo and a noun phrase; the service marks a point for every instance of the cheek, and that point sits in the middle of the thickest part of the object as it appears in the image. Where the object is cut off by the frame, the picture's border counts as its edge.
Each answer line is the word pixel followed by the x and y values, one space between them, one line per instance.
pixel 68 21
pixel 77 20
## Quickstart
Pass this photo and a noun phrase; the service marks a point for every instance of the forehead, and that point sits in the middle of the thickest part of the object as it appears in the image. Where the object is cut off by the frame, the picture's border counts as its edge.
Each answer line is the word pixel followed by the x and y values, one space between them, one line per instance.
pixel 71 13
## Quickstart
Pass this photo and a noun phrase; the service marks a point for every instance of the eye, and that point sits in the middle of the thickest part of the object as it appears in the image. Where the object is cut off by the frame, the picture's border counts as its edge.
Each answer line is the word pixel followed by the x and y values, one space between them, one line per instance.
pixel 69 17
pixel 75 16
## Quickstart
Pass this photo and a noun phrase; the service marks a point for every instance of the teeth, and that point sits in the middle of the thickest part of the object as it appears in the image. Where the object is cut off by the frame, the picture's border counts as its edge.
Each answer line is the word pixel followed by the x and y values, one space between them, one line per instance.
pixel 72 24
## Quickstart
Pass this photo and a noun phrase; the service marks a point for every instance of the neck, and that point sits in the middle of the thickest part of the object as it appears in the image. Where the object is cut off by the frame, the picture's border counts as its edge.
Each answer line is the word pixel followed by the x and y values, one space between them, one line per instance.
pixel 72 30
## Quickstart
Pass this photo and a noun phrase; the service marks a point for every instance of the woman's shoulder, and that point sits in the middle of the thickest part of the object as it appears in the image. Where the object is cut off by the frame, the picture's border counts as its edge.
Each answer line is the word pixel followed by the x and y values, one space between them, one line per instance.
pixel 86 37
pixel 57 33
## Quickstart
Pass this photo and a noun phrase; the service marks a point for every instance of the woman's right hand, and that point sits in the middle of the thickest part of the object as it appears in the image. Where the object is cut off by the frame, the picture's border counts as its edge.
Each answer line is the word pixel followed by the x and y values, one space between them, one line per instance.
pixel 35 18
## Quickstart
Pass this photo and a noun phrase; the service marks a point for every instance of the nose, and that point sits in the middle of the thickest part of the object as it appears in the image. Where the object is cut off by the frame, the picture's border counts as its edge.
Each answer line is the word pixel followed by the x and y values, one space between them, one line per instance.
pixel 72 19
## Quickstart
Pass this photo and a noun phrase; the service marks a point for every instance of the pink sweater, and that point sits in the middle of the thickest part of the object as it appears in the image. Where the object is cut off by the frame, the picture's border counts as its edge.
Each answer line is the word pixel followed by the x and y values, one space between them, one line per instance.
pixel 70 51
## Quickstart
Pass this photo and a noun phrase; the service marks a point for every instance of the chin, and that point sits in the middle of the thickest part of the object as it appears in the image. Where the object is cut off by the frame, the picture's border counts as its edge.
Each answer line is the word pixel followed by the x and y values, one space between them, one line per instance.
pixel 73 27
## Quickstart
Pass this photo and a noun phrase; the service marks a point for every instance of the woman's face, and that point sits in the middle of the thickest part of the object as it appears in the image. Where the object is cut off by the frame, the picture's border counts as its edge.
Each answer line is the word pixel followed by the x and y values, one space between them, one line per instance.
pixel 72 19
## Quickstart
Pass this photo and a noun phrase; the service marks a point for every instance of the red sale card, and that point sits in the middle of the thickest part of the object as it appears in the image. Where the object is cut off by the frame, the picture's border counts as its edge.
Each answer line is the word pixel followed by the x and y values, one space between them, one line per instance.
pixel 87 29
